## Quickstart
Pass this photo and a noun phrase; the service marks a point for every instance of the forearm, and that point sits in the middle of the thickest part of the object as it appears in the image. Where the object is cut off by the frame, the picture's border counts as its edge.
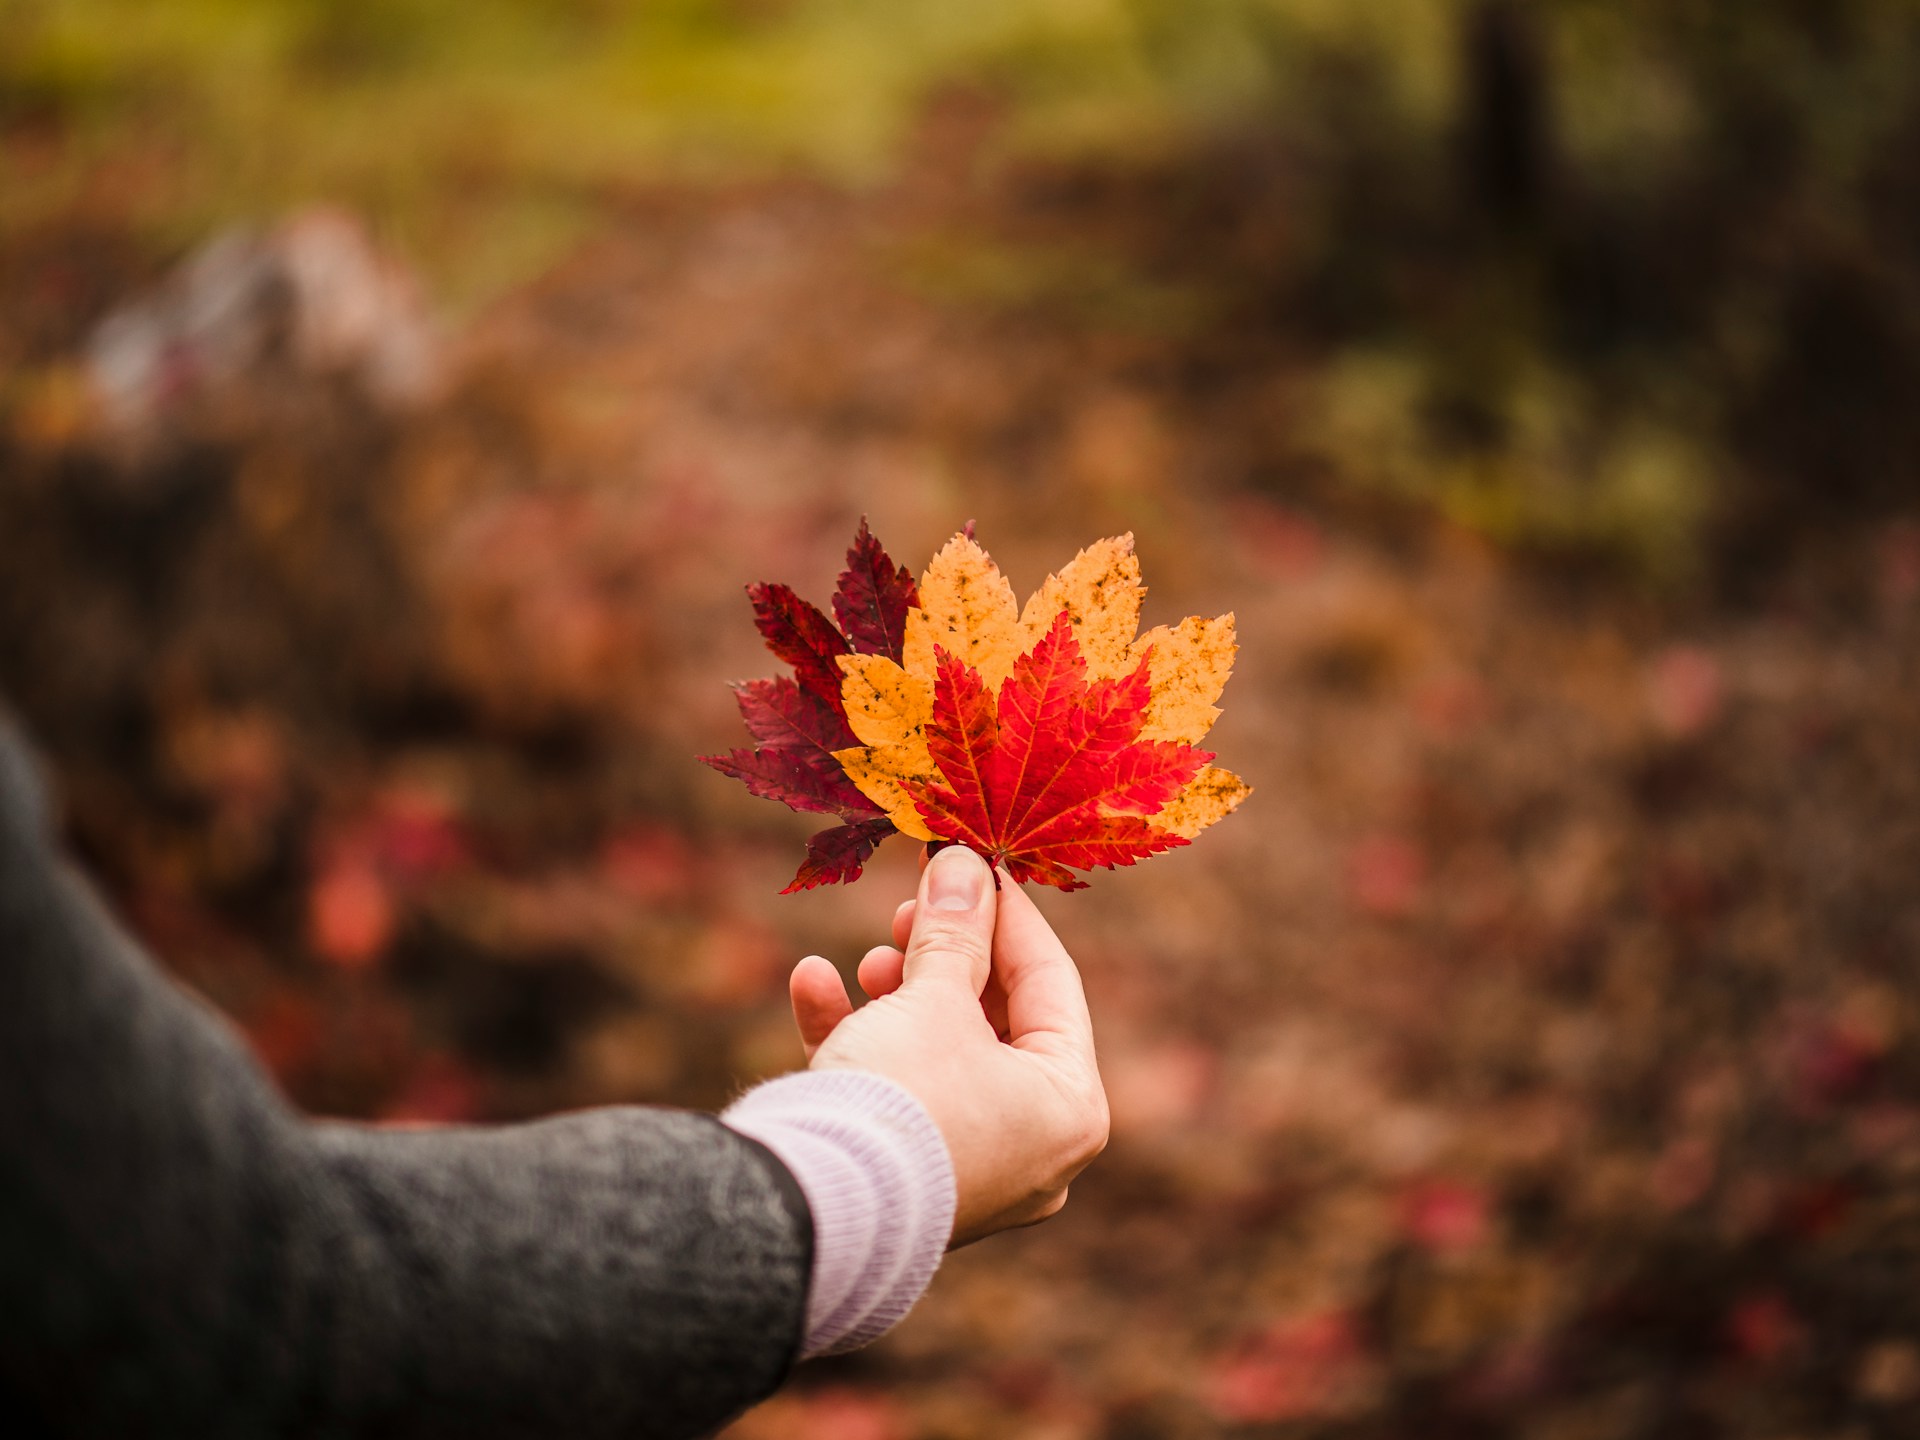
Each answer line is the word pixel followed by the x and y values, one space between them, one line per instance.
pixel 179 1254
pixel 617 1272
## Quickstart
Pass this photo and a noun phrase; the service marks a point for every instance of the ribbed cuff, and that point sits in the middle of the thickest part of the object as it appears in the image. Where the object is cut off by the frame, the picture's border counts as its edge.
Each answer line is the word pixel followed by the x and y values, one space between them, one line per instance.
pixel 879 1181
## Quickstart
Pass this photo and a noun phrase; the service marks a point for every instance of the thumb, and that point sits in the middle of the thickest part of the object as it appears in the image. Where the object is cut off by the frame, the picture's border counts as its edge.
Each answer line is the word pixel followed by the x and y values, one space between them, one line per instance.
pixel 953 922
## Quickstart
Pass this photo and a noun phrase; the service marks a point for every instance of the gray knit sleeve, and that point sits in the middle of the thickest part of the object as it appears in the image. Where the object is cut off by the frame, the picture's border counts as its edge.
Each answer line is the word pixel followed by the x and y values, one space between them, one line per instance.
pixel 182 1255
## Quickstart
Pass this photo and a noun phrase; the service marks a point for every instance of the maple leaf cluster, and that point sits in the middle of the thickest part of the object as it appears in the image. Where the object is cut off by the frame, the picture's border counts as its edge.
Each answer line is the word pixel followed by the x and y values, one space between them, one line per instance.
pixel 1049 738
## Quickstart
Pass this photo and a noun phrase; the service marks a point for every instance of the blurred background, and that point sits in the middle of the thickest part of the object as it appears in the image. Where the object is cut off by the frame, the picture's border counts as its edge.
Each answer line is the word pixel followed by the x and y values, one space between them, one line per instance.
pixel 396 395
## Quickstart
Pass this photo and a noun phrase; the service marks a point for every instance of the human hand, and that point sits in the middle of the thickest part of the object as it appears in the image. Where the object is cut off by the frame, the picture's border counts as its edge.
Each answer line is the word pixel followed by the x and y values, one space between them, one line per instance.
pixel 978 1013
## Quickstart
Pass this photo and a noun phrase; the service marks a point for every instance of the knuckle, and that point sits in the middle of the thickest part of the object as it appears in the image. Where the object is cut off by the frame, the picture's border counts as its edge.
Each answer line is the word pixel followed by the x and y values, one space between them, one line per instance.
pixel 1100 1131
pixel 1081 1124
pixel 1081 1137
pixel 956 954
pixel 1090 1123
pixel 1092 1136
pixel 947 937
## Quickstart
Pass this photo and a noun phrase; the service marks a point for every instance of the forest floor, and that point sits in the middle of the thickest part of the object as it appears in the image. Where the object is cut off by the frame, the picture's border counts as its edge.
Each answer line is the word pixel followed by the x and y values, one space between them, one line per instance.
pixel 1537 1053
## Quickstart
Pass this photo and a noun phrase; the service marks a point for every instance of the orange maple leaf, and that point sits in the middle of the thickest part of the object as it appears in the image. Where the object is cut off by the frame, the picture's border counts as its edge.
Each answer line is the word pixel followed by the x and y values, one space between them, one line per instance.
pixel 966 608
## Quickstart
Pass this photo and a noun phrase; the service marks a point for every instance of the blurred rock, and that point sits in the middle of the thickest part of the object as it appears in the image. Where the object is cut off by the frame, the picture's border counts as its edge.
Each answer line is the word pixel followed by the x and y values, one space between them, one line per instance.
pixel 312 299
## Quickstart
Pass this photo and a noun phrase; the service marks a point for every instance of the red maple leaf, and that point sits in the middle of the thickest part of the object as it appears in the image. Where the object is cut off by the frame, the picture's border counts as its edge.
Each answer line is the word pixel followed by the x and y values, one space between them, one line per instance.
pixel 797 723
pixel 1052 776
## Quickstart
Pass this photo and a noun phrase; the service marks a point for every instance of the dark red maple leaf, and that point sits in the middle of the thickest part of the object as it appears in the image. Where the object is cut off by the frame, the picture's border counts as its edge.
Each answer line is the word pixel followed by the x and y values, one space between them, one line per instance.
pixel 793 759
pixel 797 723
pixel 799 634
pixel 837 855
pixel 1053 776
pixel 874 596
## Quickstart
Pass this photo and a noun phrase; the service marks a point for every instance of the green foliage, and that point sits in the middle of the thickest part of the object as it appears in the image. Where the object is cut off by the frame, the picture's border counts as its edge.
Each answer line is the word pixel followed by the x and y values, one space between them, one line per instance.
pixel 1548 475
pixel 422 110
pixel 1717 166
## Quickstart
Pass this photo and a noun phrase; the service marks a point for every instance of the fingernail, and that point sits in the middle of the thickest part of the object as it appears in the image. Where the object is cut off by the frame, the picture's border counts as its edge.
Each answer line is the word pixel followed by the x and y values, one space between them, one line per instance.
pixel 956 878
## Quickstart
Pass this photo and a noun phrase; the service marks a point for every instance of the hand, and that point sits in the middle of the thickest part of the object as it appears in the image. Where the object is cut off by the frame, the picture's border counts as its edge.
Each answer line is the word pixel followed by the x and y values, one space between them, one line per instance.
pixel 978 1013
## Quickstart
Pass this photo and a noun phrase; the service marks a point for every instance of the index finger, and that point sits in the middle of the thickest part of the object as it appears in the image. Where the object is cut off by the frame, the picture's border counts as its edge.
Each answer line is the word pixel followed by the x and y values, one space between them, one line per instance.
pixel 1046 1004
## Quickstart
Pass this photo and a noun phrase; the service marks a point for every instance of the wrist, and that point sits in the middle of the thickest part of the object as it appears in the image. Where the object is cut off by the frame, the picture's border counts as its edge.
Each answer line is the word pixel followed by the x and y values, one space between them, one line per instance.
pixel 879 1182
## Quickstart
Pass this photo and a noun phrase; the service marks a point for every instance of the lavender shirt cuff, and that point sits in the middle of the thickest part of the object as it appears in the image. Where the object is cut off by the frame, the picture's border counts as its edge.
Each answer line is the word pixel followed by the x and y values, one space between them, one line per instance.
pixel 879 1181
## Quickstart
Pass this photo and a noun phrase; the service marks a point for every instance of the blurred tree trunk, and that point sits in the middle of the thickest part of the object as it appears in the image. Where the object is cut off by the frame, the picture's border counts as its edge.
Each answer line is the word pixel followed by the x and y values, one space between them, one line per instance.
pixel 1506 123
